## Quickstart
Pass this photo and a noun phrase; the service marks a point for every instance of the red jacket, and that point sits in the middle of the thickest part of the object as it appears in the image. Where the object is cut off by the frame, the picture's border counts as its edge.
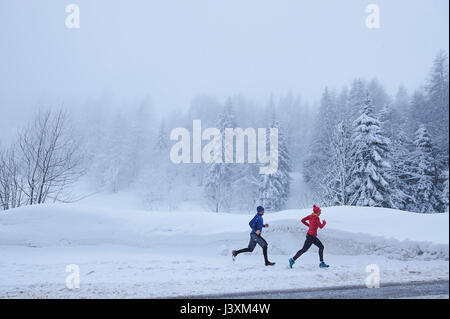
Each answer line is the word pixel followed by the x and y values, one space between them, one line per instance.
pixel 314 223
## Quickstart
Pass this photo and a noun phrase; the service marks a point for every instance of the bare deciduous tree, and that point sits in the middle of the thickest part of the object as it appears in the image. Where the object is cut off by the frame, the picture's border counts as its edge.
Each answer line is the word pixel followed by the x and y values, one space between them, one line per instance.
pixel 49 156
pixel 11 180
pixel 45 160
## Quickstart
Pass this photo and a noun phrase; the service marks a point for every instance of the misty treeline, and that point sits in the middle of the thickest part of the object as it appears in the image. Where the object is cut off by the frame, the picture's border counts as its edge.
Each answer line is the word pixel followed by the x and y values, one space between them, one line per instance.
pixel 356 146
pixel 370 149
pixel 41 163
pixel 129 149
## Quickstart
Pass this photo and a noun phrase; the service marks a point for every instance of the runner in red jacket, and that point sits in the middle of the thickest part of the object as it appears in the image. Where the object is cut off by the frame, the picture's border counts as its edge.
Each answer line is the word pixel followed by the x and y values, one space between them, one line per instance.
pixel 314 222
pixel 311 236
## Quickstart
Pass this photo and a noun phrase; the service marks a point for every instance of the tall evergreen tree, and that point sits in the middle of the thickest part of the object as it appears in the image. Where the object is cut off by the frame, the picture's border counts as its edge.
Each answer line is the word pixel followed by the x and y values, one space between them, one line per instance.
pixel 425 172
pixel 437 95
pixel 399 156
pixel 356 97
pixel 378 95
pixel 274 188
pixel 295 121
pixel 111 163
pixel 138 140
pixel 370 186
pixel 444 198
pixel 401 172
pixel 402 108
pixel 319 156
pixel 437 119
pixel 418 112
pixel 162 143
pixel 220 175
pixel 338 178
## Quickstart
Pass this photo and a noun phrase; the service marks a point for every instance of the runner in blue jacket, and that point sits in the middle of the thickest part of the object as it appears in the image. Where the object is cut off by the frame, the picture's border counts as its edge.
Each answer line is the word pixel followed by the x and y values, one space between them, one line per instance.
pixel 257 224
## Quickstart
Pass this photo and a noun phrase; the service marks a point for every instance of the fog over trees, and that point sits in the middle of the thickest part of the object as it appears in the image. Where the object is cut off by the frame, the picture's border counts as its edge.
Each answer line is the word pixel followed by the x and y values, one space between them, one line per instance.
pixel 358 146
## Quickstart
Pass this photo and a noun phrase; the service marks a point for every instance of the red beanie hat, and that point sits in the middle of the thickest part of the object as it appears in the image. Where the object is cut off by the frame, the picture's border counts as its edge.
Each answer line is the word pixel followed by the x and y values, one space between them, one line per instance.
pixel 316 209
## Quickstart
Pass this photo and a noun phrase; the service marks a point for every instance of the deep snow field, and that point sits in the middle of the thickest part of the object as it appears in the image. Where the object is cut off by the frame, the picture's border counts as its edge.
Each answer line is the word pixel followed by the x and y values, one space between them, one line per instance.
pixel 132 253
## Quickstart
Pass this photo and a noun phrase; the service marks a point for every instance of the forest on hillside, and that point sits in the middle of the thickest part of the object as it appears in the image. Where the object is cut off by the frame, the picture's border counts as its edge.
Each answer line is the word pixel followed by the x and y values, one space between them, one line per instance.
pixel 357 146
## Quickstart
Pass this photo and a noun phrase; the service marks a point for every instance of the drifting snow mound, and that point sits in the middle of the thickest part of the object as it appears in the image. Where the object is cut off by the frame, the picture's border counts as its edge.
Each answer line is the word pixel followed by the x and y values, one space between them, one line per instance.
pixel 349 230
pixel 344 243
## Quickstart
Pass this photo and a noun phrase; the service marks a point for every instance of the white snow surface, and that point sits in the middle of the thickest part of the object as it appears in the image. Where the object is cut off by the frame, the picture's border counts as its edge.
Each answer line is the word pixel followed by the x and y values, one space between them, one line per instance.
pixel 125 253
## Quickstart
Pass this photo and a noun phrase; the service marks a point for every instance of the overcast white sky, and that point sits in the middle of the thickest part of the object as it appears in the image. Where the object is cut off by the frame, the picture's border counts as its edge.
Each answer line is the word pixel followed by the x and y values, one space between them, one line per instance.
pixel 174 49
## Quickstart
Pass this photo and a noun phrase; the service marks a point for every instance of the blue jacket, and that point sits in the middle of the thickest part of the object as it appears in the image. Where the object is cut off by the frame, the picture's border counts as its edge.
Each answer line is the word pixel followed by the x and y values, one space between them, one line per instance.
pixel 256 223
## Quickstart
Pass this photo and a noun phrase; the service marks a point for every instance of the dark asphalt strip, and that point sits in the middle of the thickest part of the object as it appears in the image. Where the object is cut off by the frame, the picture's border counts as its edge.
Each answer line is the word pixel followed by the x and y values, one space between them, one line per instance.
pixel 388 290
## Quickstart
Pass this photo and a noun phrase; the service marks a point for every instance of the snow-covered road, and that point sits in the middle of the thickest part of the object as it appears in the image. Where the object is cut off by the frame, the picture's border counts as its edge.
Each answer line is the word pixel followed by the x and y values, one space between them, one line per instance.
pixel 414 290
pixel 118 271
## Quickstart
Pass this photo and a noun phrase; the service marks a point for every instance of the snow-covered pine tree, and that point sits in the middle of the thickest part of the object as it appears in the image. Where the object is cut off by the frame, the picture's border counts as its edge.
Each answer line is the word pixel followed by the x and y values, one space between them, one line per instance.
pixel 274 188
pixel 296 122
pixel 371 181
pixel 444 198
pixel 246 187
pixel 394 116
pixel 112 159
pixel 338 178
pixel 342 102
pixel 418 112
pixel 378 95
pixel 162 143
pixel 138 143
pixel 401 172
pixel 401 109
pixel 437 96
pixel 319 158
pixel 220 175
pixel 387 118
pixel 399 153
pixel 425 173
pixel 270 110
pixel 156 180
pixel 356 97
pixel 437 102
